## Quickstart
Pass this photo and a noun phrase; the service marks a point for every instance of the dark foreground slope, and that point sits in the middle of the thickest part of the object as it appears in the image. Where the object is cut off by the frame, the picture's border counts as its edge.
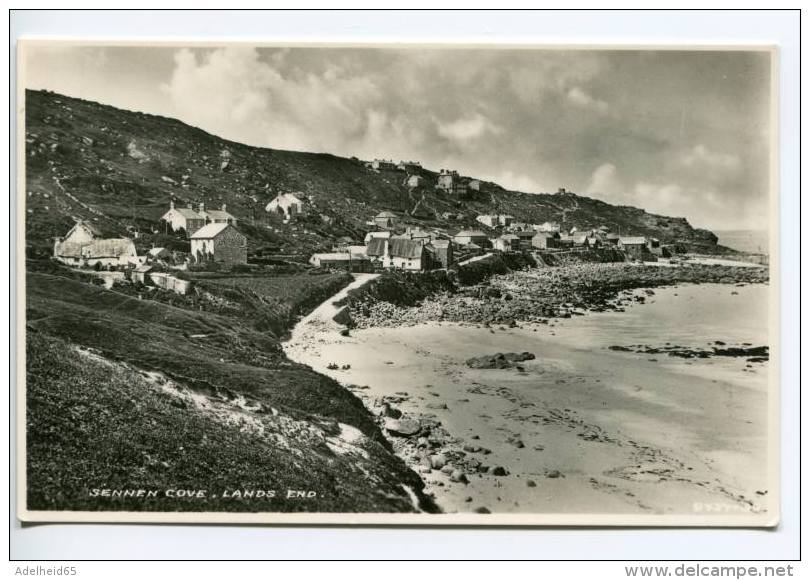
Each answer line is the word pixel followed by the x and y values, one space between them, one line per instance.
pixel 129 393
pixel 120 168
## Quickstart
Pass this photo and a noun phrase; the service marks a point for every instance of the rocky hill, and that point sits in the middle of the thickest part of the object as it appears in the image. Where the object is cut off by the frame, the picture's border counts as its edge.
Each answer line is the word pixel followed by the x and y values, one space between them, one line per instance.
pixel 120 168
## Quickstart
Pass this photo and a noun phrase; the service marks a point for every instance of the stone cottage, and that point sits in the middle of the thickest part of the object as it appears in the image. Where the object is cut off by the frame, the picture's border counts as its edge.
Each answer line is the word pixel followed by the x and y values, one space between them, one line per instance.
pixel 219 243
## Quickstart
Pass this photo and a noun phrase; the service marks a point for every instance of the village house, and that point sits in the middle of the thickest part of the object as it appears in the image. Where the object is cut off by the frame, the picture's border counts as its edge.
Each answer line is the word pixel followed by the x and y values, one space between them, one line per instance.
pixel 158 254
pixel 635 247
pixel 415 234
pixel 548 227
pixel 466 237
pixel 383 235
pixel 386 220
pixel 415 181
pixel 286 206
pixel 442 252
pixel 565 241
pixel 183 218
pixel 399 254
pixel 348 261
pixel 140 273
pixel 219 243
pixel 217 216
pixel 81 247
pixel 383 165
pixel 169 282
pixel 505 220
pixel 546 240
pixel 491 221
pixel 506 243
pixel 525 238
pixel 612 239
pixel 409 166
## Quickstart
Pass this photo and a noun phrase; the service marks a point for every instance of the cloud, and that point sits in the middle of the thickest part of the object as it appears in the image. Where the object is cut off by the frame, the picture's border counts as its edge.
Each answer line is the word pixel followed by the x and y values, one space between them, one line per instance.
pixel 580 98
pixel 702 156
pixel 604 180
pixel 518 182
pixel 629 127
pixel 465 129
pixel 235 93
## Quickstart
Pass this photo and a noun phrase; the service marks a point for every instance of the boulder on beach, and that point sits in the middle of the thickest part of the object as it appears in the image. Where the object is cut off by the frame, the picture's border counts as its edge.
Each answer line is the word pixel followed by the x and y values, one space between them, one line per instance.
pixel 402 427
pixel 498 360
pixel 343 317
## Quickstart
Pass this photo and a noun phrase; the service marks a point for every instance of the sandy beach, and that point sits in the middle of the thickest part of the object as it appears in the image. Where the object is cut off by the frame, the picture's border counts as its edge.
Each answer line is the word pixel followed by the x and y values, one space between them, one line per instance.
pixel 581 428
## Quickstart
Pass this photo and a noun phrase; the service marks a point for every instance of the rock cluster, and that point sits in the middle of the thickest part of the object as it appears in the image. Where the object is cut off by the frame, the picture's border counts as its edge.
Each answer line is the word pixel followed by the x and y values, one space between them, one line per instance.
pixel 499 360
pixel 539 294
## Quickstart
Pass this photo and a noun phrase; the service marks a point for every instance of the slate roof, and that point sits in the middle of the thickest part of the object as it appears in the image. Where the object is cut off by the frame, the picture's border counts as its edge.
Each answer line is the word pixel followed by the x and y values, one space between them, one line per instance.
pixel 89 225
pixel 188 213
pixel 218 214
pixel 633 241
pixel 102 248
pixel 209 231
pixel 471 233
pixel 397 247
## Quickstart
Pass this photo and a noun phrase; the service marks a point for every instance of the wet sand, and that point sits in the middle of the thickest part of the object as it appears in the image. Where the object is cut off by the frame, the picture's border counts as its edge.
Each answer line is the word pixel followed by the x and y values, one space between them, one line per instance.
pixel 582 428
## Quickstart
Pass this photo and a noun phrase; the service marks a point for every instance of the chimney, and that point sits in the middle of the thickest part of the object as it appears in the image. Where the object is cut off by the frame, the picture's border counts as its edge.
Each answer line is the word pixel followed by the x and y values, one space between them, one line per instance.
pixel 223 207
pixel 171 203
pixel 202 206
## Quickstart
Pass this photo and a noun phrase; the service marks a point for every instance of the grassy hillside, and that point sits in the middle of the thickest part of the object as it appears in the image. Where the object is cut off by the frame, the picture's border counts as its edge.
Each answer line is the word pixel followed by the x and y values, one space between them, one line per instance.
pixel 93 424
pixel 120 168
pixel 99 417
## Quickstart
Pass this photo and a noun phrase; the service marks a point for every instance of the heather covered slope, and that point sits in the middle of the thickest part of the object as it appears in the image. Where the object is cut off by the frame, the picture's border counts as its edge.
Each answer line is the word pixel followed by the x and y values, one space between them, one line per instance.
pixel 95 424
pixel 125 392
pixel 119 168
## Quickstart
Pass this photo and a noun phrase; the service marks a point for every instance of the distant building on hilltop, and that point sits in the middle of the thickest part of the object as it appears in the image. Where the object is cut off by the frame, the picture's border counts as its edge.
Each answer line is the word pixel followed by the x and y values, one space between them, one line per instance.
pixel 219 242
pixel 450 182
pixel 383 165
pixel 409 166
pixel 81 246
pixel 286 205
pixel 184 218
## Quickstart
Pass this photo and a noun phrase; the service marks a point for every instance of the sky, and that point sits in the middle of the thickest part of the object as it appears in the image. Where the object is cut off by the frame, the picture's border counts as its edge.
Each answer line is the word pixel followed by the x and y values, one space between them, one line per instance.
pixel 680 133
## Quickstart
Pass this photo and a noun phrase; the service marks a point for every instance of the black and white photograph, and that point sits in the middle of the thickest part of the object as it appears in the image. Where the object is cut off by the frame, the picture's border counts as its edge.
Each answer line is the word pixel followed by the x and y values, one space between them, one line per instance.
pixel 398 284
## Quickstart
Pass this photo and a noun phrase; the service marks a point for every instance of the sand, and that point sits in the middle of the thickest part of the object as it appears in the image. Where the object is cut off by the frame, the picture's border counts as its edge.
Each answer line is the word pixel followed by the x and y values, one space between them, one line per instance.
pixel 581 429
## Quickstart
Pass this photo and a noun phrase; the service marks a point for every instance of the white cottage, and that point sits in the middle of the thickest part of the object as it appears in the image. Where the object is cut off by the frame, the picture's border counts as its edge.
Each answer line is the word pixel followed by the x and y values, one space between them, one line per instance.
pixel 286 205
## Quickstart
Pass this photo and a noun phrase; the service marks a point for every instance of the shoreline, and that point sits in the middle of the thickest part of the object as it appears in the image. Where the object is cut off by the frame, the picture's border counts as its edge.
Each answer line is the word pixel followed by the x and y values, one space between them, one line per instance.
pixel 542 294
pixel 468 472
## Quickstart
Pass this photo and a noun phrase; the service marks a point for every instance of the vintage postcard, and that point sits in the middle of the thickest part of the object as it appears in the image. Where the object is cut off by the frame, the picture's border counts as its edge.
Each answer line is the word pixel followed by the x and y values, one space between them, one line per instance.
pixel 397 284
